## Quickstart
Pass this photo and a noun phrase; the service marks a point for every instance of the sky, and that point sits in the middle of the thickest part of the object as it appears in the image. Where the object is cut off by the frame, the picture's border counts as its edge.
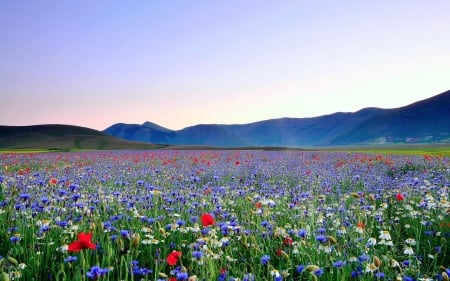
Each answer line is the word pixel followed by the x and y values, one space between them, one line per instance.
pixel 180 63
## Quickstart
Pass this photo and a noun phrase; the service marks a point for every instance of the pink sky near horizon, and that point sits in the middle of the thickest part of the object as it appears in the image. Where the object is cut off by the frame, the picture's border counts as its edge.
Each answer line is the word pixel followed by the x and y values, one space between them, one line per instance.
pixel 183 63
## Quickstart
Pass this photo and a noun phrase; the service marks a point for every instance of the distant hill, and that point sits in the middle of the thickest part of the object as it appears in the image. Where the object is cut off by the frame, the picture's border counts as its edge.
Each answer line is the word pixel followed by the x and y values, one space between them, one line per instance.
pixel 426 121
pixel 62 137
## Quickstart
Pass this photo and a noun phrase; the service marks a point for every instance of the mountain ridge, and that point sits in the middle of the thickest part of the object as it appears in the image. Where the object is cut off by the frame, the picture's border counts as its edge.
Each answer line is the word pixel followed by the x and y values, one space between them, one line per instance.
pixel 424 121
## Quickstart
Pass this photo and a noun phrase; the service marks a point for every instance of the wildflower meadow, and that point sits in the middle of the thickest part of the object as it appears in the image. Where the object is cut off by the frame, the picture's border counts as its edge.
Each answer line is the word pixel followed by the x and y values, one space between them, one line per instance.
pixel 224 215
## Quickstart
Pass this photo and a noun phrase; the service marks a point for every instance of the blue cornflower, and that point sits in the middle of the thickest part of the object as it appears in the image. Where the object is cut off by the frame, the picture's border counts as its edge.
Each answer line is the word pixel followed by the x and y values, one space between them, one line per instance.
pixel 379 275
pixel 182 276
pixel 222 275
pixel 62 223
pixel 205 231
pixel 197 254
pixel 321 230
pixel 447 270
pixel 338 264
pixel 141 270
pixel 14 239
pixel 193 219
pixel 318 272
pixel 71 259
pixel 300 268
pixel 278 277
pixel 24 196
pixel 356 274
pixel 321 238
pixel 438 249
pixel 364 257
pixel 125 233
pixel 224 229
pixel 408 278
pixel 302 233
pixel 96 271
pixel 265 259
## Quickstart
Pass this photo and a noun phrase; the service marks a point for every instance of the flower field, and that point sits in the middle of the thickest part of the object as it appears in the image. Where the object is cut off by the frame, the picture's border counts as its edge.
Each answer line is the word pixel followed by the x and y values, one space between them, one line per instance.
pixel 224 215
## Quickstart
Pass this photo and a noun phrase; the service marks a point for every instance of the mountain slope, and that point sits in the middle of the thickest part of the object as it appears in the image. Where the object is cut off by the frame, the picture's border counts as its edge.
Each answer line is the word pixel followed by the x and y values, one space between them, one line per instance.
pixel 316 131
pixel 426 121
pixel 147 132
pixel 214 135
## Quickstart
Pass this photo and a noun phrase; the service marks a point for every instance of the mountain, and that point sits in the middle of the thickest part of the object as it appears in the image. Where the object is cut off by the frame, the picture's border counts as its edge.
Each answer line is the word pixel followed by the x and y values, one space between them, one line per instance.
pixel 147 132
pixel 426 121
pixel 62 137
pixel 421 122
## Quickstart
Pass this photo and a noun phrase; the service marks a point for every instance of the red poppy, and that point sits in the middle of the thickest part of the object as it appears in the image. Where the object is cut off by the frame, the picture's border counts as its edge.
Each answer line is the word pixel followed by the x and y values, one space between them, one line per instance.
pixel 207 219
pixel 360 224
pixel 53 181
pixel 172 258
pixel 83 242
pixel 399 197
pixel 288 241
pixel 279 252
pixel 258 205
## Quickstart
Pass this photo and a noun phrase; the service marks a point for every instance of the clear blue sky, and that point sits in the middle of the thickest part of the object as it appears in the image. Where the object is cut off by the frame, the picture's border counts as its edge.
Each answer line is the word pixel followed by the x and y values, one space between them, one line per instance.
pixel 181 63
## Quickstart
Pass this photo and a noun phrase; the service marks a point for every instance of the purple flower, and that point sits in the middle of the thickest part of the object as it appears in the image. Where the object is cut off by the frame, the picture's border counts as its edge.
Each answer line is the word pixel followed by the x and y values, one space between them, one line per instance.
pixel 265 259
pixel 14 239
pixel 318 272
pixel 182 276
pixel 96 271
pixel 197 255
pixel 70 259
pixel 125 233
pixel 302 233
pixel 24 196
pixel 321 238
pixel 338 264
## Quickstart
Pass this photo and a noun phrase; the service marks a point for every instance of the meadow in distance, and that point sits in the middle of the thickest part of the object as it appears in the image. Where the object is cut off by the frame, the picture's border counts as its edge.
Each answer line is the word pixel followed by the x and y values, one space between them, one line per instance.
pixel 224 215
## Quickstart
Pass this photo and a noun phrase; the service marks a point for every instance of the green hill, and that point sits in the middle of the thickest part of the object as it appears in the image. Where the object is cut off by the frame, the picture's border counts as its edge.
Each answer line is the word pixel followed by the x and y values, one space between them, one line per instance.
pixel 63 137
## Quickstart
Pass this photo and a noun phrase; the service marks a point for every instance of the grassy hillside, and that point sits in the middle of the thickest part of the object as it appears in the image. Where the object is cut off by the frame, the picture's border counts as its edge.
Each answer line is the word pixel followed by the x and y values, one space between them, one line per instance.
pixel 62 137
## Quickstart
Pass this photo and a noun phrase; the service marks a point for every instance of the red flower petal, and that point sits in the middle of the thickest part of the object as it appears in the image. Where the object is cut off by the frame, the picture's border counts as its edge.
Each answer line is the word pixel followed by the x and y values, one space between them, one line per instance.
pixel 172 258
pixel 75 246
pixel 85 236
pixel 83 242
pixel 207 220
pixel 288 241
